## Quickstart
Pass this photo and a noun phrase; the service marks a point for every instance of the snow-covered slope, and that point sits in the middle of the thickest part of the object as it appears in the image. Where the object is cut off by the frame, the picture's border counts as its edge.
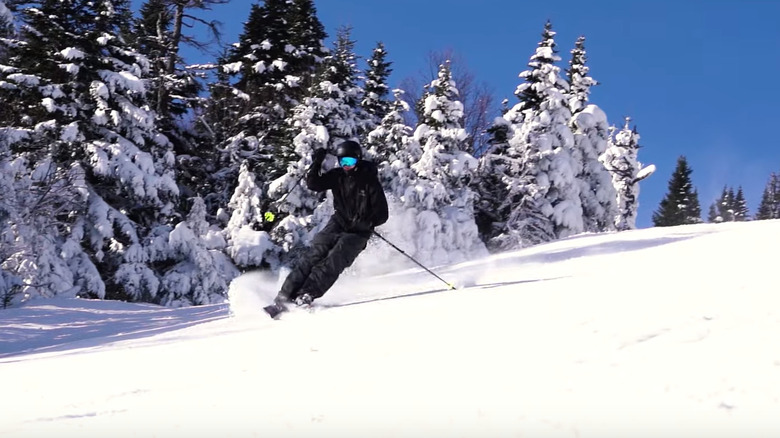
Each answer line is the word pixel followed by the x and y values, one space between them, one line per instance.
pixel 658 332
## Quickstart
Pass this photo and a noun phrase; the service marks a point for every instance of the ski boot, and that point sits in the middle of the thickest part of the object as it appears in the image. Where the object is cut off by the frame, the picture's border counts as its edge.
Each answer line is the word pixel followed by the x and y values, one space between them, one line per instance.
pixel 304 301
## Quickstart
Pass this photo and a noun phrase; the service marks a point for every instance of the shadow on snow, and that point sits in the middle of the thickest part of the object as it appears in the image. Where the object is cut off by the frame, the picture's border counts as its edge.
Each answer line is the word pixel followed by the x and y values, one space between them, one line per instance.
pixel 60 325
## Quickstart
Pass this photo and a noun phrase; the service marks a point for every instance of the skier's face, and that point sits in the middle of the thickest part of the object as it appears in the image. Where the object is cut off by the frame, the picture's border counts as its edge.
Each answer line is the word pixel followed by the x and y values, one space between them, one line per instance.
pixel 348 163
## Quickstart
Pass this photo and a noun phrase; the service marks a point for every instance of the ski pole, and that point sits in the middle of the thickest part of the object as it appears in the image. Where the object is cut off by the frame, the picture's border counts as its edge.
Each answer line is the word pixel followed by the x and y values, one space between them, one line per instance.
pixel 305 171
pixel 269 216
pixel 449 285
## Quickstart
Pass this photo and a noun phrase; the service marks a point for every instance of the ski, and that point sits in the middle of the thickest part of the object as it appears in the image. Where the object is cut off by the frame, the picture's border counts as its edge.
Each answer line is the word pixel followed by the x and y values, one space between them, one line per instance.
pixel 275 311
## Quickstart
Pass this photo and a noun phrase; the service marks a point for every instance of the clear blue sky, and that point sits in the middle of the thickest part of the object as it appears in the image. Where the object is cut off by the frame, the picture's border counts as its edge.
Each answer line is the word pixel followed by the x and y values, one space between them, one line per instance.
pixel 698 78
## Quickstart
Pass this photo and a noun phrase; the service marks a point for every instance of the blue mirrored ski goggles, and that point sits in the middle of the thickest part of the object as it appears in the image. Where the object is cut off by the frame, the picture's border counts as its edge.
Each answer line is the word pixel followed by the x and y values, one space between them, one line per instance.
pixel 347 161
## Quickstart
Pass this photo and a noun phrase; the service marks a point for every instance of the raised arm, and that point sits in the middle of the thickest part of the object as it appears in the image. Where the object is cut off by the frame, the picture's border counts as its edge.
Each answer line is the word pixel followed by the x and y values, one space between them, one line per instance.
pixel 316 181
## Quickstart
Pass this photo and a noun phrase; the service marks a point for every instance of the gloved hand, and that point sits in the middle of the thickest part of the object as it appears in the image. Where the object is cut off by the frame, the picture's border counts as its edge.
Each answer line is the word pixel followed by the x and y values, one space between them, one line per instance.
pixel 318 156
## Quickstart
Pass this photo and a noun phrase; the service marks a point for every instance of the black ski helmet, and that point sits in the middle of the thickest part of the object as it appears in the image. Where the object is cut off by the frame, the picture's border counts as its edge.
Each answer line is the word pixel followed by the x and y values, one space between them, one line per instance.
pixel 349 148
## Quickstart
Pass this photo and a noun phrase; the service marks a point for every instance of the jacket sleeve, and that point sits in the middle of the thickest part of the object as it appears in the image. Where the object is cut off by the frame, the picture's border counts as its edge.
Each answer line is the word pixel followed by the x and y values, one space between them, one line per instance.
pixel 378 202
pixel 320 182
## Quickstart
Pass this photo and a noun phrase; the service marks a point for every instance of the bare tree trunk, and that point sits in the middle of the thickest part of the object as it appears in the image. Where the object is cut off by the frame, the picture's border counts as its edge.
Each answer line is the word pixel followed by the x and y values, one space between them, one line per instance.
pixel 172 49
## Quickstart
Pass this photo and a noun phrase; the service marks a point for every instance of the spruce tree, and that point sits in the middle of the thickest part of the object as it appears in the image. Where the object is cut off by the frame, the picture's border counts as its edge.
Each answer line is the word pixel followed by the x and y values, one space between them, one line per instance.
pixel 680 206
pixel 262 84
pixel 376 89
pixel 597 194
pixel 202 272
pixel 540 200
pixel 712 215
pixel 769 208
pixel 248 242
pixel 621 161
pixel 391 147
pixel 579 81
pixel 442 137
pixel 591 137
pixel 726 205
pixel 307 36
pixel 729 207
pixel 443 201
pixel 80 98
pixel 741 212
pixel 261 79
pixel 172 88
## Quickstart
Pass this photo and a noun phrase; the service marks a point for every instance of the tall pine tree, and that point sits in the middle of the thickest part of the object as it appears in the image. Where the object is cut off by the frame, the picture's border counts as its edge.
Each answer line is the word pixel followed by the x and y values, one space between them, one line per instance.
pixel 741 211
pixel 591 137
pixel 443 202
pixel 541 195
pixel 376 89
pixel 579 81
pixel 729 207
pixel 597 193
pixel 160 31
pixel 680 206
pixel 770 200
pixel 390 145
pixel 262 78
pixel 621 161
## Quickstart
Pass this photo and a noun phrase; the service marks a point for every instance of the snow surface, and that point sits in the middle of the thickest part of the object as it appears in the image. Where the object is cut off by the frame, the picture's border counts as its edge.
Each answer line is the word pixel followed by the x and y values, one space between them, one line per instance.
pixel 645 333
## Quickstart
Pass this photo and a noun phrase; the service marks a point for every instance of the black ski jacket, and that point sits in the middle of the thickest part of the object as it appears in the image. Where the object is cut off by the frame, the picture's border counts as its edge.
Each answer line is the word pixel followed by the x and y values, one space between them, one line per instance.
pixel 358 197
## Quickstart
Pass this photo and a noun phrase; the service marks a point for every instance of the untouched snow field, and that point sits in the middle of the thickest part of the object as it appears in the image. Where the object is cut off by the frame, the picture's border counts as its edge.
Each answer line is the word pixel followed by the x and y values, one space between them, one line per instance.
pixel 659 332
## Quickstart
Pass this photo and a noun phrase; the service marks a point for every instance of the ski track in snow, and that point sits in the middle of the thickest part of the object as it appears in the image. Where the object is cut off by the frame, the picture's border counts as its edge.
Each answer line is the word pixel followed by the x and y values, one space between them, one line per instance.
pixel 657 332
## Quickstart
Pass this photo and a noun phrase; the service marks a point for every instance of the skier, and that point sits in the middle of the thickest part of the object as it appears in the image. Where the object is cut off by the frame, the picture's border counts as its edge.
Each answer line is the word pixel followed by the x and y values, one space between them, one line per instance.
pixel 360 206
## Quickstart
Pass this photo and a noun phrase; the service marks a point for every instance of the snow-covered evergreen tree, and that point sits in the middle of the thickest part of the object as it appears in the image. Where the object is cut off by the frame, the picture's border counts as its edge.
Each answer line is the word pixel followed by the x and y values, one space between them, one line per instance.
pixel 579 81
pixel 620 159
pixel 172 88
pixel 259 97
pixel 442 203
pixel 249 244
pixel 680 206
pixel 741 211
pixel 273 66
pixel 496 169
pixel 729 207
pixel 541 194
pixel 712 215
pixel 81 101
pixel 597 194
pixel 262 78
pixel 203 271
pixel 390 145
pixel 307 35
pixel 591 134
pixel 40 228
pixel 375 88
pixel 723 210
pixel 769 208
pixel 338 80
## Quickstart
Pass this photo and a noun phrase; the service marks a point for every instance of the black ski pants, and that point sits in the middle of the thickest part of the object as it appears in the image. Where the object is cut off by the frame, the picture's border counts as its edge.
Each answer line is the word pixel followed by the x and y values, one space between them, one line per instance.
pixel 332 251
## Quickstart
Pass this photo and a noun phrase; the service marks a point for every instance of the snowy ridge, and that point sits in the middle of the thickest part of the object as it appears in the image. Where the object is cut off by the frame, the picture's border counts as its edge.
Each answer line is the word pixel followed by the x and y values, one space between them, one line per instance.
pixel 645 333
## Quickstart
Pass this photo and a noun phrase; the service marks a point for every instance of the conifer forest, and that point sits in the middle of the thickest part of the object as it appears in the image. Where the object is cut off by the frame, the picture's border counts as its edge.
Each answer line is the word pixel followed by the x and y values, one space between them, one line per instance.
pixel 127 174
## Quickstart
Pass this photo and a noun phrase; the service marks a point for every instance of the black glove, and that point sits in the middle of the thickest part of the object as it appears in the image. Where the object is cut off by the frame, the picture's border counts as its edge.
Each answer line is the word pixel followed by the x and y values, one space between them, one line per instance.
pixel 318 156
